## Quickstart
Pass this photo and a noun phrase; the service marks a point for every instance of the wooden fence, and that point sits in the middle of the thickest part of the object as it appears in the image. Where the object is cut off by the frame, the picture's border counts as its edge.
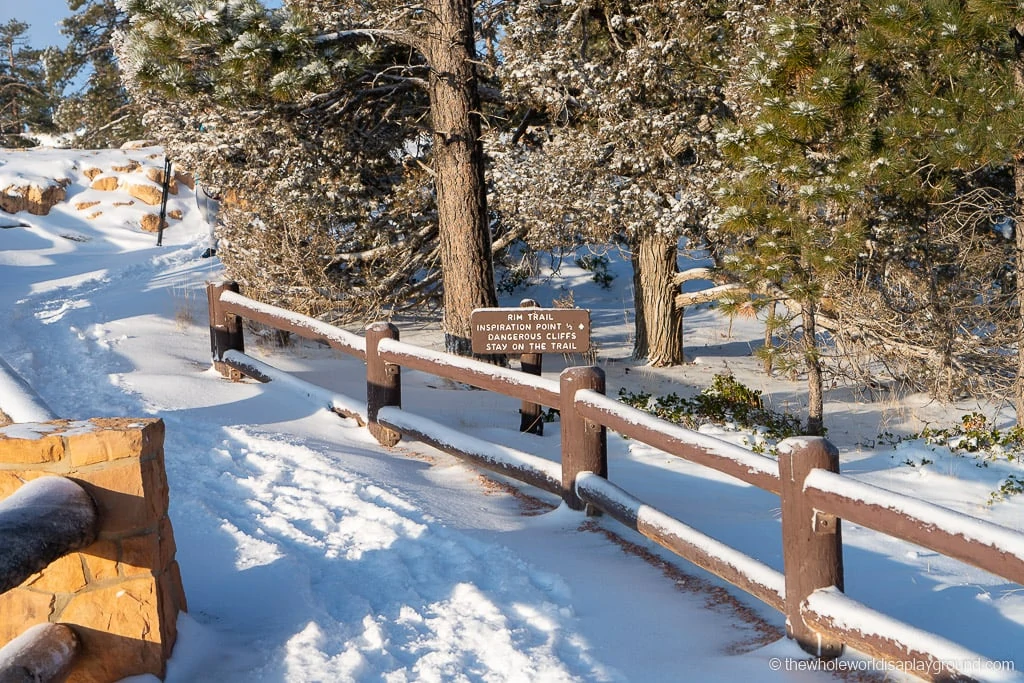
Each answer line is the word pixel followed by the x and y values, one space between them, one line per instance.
pixel 814 496
pixel 44 520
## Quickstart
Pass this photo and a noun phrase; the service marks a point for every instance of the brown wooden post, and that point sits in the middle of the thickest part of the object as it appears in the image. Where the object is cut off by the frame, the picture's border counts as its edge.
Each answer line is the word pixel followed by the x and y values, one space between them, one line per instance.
pixel 531 414
pixel 383 382
pixel 225 329
pixel 584 443
pixel 44 652
pixel 812 543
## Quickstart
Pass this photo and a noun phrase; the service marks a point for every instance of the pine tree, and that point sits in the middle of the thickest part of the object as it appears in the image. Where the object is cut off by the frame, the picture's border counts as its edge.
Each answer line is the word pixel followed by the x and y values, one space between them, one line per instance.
pixel 26 95
pixel 793 212
pixel 937 294
pixel 99 113
pixel 615 136
pixel 351 133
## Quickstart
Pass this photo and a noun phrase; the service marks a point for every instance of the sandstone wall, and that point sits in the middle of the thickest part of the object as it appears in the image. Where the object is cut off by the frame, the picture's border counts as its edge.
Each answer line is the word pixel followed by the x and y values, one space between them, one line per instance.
pixel 122 594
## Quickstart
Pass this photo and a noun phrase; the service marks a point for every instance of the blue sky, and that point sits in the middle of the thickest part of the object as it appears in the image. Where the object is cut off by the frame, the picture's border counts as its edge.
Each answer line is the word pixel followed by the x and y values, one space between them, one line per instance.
pixel 41 16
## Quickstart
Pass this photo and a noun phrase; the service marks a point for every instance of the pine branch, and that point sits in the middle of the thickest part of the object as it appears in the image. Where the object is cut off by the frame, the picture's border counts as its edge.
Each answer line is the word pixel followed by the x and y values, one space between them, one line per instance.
pixel 358 36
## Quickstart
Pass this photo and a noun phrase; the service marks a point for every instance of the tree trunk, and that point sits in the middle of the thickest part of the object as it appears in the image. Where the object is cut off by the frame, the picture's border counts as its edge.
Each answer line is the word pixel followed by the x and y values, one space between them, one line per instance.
pixel 465 238
pixel 815 384
pixel 658 323
pixel 769 343
pixel 1018 227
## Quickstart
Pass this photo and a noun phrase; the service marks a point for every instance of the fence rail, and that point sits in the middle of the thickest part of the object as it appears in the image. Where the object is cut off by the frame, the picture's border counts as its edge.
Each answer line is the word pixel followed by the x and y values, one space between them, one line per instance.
pixel 18 401
pixel 44 653
pixel 41 522
pixel 814 496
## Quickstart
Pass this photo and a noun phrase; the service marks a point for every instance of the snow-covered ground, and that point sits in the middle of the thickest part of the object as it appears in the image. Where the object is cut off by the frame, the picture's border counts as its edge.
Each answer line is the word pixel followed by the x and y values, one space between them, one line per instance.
pixel 309 553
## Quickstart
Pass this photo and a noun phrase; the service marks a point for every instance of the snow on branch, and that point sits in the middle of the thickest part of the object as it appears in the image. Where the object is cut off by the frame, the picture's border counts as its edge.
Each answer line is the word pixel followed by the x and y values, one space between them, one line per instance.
pixel 361 35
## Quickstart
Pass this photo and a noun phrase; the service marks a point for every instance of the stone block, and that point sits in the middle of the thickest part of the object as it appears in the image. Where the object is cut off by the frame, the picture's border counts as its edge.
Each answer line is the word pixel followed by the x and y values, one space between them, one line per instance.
pixel 157 493
pixel 31 607
pixel 12 480
pixel 120 496
pixel 148 194
pixel 172 601
pixel 127 167
pixel 47 448
pixel 168 547
pixel 173 575
pixel 63 575
pixel 121 631
pixel 140 555
pixel 104 183
pixel 113 439
pixel 150 222
pixel 157 176
pixel 32 198
pixel 101 560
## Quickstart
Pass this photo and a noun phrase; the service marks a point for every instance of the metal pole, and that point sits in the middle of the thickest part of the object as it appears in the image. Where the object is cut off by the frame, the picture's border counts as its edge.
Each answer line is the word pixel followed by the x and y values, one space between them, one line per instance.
pixel 163 202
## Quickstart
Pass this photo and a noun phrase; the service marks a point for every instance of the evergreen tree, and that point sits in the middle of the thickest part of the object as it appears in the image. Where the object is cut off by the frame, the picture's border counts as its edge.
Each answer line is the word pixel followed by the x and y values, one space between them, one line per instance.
pixel 351 134
pixel 615 136
pixel 936 295
pixel 793 212
pixel 99 113
pixel 26 95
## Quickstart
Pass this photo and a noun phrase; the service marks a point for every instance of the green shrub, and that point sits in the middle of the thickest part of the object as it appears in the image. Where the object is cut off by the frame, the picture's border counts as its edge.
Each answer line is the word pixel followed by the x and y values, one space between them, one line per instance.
pixel 974 436
pixel 725 402
pixel 1010 486
pixel 597 265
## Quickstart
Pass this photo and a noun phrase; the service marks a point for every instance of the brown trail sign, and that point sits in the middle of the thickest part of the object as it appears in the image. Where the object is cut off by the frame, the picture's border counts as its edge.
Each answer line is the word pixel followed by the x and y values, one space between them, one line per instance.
pixel 530 330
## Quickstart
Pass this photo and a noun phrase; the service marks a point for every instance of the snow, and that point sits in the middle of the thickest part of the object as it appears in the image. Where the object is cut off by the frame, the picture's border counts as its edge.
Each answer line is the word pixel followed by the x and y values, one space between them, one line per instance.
pixel 310 553
pixel 497 455
pixel 345 339
pixel 511 379
pixel 923 513
pixel 18 400
pixel 849 615
pixel 719 449
pixel 22 653
pixel 756 572
pixel 318 395
pixel 42 492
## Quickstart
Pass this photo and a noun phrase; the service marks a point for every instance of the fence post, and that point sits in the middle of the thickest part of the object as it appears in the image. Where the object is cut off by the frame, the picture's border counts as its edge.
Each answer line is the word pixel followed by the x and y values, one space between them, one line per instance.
pixel 225 329
pixel 584 444
pixel 383 382
pixel 531 414
pixel 44 652
pixel 812 543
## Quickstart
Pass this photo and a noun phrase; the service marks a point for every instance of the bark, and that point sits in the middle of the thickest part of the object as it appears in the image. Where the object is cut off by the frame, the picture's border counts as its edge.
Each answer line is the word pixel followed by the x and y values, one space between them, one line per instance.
pixel 1018 230
pixel 812 362
pixel 465 240
pixel 658 324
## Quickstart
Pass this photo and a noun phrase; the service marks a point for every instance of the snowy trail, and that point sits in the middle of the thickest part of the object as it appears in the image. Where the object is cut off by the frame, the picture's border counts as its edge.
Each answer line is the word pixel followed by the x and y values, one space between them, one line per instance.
pixel 309 553
pixel 393 592
pixel 366 582
pixel 300 563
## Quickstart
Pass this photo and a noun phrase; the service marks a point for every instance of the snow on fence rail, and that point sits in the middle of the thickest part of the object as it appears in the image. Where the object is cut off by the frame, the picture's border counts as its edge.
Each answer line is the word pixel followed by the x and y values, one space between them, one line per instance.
pixel 44 520
pixel 18 401
pixel 814 496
